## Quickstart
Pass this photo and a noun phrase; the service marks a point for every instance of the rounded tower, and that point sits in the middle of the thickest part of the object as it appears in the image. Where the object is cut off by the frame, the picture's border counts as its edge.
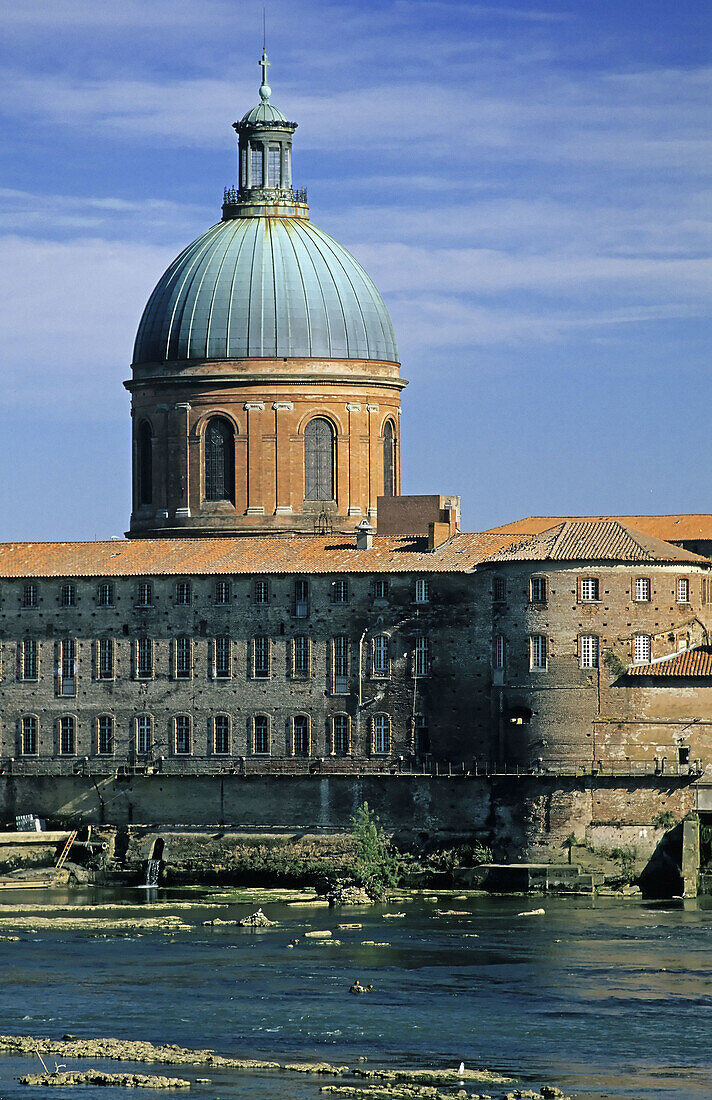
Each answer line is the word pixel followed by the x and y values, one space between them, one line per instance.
pixel 265 379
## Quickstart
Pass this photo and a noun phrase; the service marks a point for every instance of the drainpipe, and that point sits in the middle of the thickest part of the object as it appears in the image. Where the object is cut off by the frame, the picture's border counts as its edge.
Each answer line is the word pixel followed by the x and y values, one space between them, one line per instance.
pixel 360 668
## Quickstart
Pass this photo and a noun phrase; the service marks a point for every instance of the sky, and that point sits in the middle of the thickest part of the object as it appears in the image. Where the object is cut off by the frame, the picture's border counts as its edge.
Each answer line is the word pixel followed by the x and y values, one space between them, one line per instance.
pixel 528 184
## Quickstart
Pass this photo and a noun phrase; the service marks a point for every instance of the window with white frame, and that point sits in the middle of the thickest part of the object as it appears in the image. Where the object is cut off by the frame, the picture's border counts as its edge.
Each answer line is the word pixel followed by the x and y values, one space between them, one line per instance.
pixel 380 590
pixel 29 659
pixel 537 651
pixel 683 590
pixel 499 651
pixel 184 593
pixel 105 659
pixel 300 735
pixel 641 648
pixel 29 735
pixel 589 651
pixel 260 658
pixel 642 589
pixel 340 664
pixel 67 666
pixel 261 592
pixel 537 590
pixel 381 660
pixel 144 658
pixel 301 656
pixel 340 735
pixel 68 595
pixel 145 594
pixel 422 590
pixel 421 656
pixel 67 736
pixel 182 735
pixel 143 734
pixel 381 734
pixel 260 735
pixel 105 735
pixel 221 735
pixel 29 595
pixel 105 596
pixel 222 592
pixel 588 589
pixel 183 657
pixel 223 658
pixel 340 591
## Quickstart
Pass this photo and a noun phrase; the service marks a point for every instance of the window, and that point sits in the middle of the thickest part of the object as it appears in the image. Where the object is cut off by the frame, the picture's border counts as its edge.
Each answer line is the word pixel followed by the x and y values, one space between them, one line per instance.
pixel 29 735
pixel 589 651
pixel 319 460
pixel 67 666
pixel 340 735
pixel 537 590
pixel 422 591
pixel 641 647
pixel 300 735
pixel 380 590
pixel 221 735
pixel 381 661
pixel 421 735
pixel 340 591
pixel 223 658
pixel 29 659
pixel 683 755
pixel 642 589
pixel 222 592
pixel 183 593
pixel 301 599
pixel 105 659
pixel 588 588
pixel 105 736
pixel 145 594
pixel 144 658
pixel 106 595
pixel 499 589
pixel 67 736
pixel 143 734
pixel 255 167
pixel 381 734
pixel 683 590
pixel 219 460
pixel 301 664
pixel 29 595
pixel 421 655
pixel 537 647
pixel 260 735
pixel 340 650
pixel 68 595
pixel 389 460
pixel 273 166
pixel 260 658
pixel 183 657
pixel 182 735
pixel 499 651
pixel 144 465
pixel 261 592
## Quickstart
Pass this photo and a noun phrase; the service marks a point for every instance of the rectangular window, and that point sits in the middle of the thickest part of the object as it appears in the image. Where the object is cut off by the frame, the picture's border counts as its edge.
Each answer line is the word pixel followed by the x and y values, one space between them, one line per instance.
pixel 261 592
pixel 29 659
pixel 422 590
pixel 261 735
pixel 381 662
pixel 145 594
pixel 223 658
pixel 421 663
pixel 300 656
pixel 67 666
pixel 642 589
pixel 221 735
pixel 105 736
pixel 67 736
pixel 300 733
pixel 105 667
pixel 144 658
pixel 184 593
pixel 381 734
pixel 537 648
pixel 29 595
pixel 143 735
pixel 537 592
pixel 182 735
pixel 683 590
pixel 340 650
pixel 589 651
pixel 106 595
pixel 340 591
pixel 260 658
pixel 301 599
pixel 340 730
pixel 184 658
pixel 29 733
pixel 499 651
pixel 274 171
pixel 588 589
pixel 421 735
pixel 380 590
pixel 68 595
pixel 499 589
pixel 255 167
pixel 222 592
pixel 641 648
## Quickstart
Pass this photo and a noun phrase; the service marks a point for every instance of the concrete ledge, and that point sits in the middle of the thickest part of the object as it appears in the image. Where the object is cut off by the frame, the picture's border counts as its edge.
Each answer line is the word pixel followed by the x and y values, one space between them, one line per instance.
pixel 14 840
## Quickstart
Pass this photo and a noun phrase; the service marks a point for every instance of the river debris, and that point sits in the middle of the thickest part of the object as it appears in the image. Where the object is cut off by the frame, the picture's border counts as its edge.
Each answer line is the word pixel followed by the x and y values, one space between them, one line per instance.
pixel 350 895
pixel 322 934
pixel 393 916
pixel 98 1077
pixel 532 913
pixel 257 920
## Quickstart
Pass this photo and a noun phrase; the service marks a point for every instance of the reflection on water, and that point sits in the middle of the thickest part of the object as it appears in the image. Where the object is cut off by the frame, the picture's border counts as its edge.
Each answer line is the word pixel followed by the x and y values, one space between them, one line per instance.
pixel 604 998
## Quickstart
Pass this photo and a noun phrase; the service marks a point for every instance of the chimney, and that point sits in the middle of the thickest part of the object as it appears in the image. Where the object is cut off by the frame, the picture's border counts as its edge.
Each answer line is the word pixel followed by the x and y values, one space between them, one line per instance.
pixel 364 535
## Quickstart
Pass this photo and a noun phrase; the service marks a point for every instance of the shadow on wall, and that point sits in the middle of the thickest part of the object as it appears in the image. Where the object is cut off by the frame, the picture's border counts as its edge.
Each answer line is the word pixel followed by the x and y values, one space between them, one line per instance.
pixel 662 875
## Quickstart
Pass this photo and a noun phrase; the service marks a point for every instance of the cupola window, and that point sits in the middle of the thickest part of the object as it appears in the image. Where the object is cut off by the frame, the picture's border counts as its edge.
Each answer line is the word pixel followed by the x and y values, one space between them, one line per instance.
pixel 389 460
pixel 219 460
pixel 145 464
pixel 274 166
pixel 319 460
pixel 256 167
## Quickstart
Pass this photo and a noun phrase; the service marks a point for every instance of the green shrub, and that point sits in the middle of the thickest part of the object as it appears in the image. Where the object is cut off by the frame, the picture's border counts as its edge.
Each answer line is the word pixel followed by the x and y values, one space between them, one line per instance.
pixel 627 857
pixel 665 820
pixel 377 866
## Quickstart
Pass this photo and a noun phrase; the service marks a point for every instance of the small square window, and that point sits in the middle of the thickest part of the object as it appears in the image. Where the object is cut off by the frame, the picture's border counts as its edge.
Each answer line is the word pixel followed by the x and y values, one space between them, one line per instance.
pixel 642 589
pixel 538 590
pixel 589 589
pixel 683 590
pixel 422 590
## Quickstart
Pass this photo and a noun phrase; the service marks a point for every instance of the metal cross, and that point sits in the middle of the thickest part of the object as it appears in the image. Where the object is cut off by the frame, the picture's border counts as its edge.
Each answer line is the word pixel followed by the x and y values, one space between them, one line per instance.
pixel 264 64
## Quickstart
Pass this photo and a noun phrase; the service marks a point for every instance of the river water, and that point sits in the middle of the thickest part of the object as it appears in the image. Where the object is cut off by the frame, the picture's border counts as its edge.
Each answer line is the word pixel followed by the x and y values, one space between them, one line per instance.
pixel 604 997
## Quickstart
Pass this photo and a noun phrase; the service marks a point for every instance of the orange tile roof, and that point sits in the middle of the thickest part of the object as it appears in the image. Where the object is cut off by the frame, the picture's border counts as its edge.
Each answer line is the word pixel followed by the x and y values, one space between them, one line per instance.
pixel 668 528
pixel 244 554
pixel 594 540
pixel 691 662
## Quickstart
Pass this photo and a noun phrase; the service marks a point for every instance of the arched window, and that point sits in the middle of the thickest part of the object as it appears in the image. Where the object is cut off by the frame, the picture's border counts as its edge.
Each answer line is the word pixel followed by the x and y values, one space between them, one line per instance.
pixel 389 460
pixel 145 464
pixel 219 460
pixel 319 460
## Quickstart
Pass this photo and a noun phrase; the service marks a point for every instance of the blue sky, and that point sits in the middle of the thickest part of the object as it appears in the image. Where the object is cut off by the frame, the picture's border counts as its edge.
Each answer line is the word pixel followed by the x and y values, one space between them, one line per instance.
pixel 527 183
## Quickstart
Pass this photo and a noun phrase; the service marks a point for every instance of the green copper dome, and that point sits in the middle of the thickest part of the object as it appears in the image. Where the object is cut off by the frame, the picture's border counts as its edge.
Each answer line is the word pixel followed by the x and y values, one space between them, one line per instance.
pixel 272 287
